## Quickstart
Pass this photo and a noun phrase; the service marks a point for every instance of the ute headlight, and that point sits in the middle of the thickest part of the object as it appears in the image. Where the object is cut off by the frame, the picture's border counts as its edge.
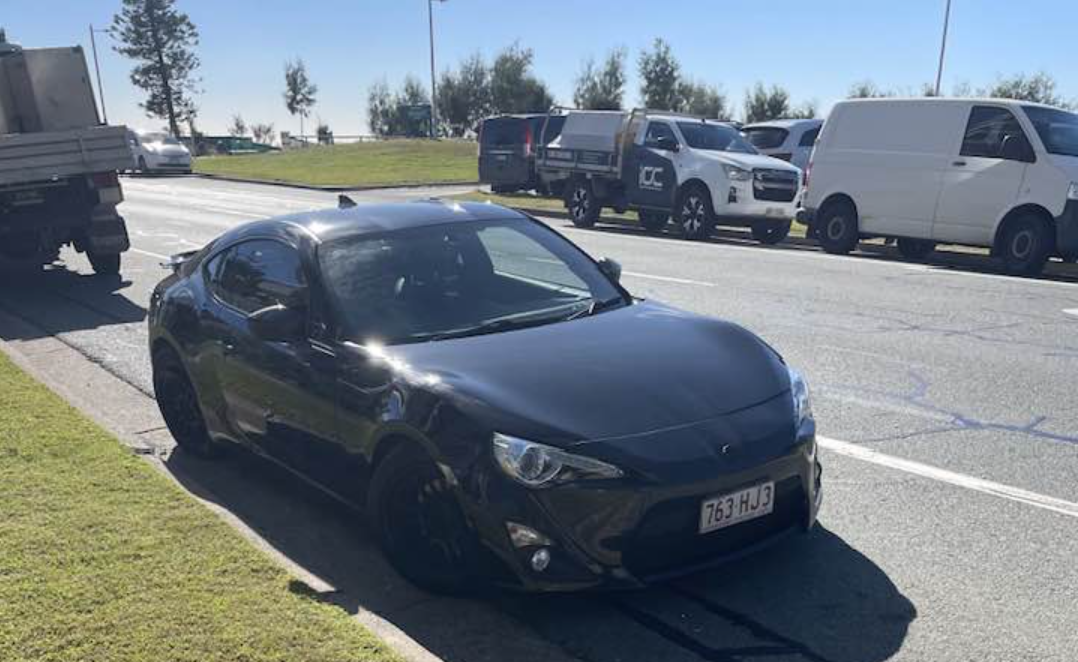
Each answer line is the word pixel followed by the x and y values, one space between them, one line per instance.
pixel 1072 192
pixel 799 393
pixel 537 465
pixel 736 174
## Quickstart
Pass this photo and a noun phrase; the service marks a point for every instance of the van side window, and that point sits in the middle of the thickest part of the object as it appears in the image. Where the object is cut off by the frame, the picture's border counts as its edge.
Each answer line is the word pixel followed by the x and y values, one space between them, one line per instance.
pixel 987 129
pixel 657 131
pixel 808 139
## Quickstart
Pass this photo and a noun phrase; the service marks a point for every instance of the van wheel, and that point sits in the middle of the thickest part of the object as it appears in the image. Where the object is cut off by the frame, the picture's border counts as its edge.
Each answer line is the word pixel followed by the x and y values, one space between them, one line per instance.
pixel 583 207
pixel 105 264
pixel 653 221
pixel 915 249
pixel 695 217
pixel 771 234
pixel 1025 246
pixel 836 228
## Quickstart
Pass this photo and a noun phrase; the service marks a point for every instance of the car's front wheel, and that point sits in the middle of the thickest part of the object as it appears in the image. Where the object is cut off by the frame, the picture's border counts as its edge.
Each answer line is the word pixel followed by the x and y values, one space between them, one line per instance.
pixel 178 402
pixel 419 523
pixel 695 217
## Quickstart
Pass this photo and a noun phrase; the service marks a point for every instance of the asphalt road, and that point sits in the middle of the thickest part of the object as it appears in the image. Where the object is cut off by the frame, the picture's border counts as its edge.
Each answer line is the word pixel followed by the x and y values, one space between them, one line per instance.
pixel 947 396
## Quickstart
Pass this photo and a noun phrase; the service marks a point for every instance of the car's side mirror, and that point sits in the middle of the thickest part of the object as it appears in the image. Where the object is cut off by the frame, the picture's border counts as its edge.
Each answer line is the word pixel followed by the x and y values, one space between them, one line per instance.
pixel 668 143
pixel 278 323
pixel 1015 149
pixel 611 268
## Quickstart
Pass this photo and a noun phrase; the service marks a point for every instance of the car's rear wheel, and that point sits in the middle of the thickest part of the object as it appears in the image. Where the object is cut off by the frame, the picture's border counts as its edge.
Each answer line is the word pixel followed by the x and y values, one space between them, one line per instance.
pixel 419 523
pixel 836 228
pixel 771 234
pixel 653 221
pixel 178 402
pixel 695 217
pixel 1025 246
pixel 915 249
pixel 105 264
pixel 583 207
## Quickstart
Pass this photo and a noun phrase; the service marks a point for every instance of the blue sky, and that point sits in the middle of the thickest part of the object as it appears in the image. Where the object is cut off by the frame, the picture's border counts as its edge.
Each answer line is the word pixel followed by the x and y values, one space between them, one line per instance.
pixel 815 48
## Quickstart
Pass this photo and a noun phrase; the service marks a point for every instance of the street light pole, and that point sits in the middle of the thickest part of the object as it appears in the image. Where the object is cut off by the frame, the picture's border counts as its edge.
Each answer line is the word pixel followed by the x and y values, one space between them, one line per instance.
pixel 433 90
pixel 97 69
pixel 943 46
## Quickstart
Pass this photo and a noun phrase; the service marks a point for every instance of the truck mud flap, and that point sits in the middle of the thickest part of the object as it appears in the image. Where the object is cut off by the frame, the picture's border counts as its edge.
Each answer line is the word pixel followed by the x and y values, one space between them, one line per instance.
pixel 106 236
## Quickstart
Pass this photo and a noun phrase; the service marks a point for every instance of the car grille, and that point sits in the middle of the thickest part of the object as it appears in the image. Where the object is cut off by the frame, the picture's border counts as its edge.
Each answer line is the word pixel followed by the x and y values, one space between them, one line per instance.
pixel 775 185
pixel 668 538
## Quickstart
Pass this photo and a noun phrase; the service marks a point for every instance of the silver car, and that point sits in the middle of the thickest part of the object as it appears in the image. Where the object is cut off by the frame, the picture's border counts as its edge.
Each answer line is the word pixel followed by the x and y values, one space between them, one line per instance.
pixel 789 140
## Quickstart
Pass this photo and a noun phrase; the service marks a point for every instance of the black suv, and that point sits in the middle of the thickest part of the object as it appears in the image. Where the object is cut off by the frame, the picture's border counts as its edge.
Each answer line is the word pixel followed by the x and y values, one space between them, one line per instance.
pixel 507 146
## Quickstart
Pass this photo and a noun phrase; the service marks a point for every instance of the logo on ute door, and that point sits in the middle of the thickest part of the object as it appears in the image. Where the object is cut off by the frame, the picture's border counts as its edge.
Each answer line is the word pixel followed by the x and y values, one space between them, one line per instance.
pixel 649 178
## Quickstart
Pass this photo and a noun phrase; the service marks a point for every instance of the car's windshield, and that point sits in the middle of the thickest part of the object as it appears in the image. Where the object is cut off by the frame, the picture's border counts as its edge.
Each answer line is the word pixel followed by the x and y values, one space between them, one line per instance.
pixel 766 137
pixel 159 138
pixel 1058 129
pixel 459 279
pixel 716 137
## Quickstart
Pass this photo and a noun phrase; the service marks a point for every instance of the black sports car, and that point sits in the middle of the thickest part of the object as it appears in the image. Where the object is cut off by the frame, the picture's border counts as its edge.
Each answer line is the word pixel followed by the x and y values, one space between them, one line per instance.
pixel 500 406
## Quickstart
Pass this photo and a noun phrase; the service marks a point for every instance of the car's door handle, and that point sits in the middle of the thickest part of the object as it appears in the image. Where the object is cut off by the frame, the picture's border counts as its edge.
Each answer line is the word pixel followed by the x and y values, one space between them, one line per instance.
pixel 958 163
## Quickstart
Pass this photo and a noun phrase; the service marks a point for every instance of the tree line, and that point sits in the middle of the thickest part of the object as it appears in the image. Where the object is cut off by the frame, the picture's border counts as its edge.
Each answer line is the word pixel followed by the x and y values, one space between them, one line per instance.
pixel 162 41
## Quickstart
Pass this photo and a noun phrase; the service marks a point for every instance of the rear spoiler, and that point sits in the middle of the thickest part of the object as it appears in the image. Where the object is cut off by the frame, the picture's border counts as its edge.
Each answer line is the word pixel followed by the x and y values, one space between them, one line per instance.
pixel 176 261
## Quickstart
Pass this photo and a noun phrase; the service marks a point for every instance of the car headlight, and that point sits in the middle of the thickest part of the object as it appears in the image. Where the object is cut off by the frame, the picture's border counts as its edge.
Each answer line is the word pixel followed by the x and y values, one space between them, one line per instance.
pixel 799 393
pixel 537 465
pixel 1072 192
pixel 736 174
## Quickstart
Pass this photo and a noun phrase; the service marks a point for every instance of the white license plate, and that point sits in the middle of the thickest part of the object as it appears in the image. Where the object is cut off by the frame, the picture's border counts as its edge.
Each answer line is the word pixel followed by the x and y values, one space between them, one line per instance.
pixel 736 507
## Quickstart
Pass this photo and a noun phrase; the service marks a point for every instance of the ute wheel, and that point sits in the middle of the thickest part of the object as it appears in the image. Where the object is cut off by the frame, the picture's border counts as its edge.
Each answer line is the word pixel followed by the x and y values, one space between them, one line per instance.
pixel 915 249
pixel 105 264
pixel 771 234
pixel 695 217
pixel 836 228
pixel 142 165
pixel 420 525
pixel 582 205
pixel 1025 246
pixel 653 221
pixel 178 402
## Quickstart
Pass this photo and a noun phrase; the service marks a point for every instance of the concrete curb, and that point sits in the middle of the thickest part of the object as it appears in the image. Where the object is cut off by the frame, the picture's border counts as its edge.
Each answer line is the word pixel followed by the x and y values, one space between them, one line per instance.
pixel 327 189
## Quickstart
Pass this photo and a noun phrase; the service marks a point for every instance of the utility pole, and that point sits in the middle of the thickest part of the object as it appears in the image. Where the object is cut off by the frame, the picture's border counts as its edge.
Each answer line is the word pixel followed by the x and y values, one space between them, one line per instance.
pixel 943 46
pixel 433 90
pixel 97 69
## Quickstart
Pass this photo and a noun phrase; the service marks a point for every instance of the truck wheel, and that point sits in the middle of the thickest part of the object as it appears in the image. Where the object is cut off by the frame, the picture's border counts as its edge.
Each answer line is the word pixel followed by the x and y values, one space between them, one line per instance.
pixel 695 217
pixel 771 234
pixel 583 207
pixel 915 249
pixel 1025 247
pixel 105 264
pixel 836 228
pixel 653 221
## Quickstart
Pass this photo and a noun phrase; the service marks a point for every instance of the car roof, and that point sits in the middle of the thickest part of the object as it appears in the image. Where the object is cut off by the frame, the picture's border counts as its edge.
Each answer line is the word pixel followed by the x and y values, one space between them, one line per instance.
pixel 323 225
pixel 949 100
pixel 780 124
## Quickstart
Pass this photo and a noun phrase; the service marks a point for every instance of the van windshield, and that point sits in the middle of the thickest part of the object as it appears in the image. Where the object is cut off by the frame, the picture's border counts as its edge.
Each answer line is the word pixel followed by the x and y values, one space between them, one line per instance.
pixel 1058 129
pixel 715 137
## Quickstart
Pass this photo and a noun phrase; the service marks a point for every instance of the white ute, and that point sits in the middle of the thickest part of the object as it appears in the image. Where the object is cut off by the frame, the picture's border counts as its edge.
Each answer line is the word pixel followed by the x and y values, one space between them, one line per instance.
pixel 701 172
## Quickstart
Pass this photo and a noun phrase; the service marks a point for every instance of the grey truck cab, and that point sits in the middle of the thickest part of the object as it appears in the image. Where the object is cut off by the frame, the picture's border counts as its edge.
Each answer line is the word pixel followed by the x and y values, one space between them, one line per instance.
pixel 702 173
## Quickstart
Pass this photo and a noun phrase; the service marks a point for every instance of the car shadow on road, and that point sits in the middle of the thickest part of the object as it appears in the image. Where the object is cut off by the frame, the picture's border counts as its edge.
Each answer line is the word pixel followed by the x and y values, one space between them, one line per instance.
pixel 58 300
pixel 812 597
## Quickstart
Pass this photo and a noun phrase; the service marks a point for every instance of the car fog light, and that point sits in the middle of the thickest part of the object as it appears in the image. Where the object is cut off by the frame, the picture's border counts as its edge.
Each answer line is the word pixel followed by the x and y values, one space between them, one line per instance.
pixel 732 197
pixel 540 559
pixel 525 536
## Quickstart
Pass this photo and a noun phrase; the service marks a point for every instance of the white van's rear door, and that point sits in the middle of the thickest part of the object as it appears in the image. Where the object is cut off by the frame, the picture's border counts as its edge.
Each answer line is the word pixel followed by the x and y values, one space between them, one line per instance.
pixel 979 185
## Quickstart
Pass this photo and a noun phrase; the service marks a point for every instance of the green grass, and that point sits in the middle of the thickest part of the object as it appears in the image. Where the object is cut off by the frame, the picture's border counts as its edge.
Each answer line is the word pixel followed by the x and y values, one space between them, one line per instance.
pixel 103 558
pixel 382 163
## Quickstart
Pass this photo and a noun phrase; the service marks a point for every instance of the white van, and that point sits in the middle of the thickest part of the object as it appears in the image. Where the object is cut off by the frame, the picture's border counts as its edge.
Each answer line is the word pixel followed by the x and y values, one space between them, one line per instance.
pixel 997 173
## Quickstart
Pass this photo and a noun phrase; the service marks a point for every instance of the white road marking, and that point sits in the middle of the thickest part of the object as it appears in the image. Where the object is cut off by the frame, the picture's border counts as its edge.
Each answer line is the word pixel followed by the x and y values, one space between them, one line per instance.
pixel 156 255
pixel 1000 490
pixel 1071 311
pixel 667 279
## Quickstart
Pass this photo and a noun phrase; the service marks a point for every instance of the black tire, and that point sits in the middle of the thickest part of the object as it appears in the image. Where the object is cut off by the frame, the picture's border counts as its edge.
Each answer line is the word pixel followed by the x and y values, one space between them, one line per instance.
pixel 653 221
pixel 582 204
pixel 1025 246
pixel 178 401
pixel 105 264
pixel 420 525
pixel 771 234
pixel 915 249
pixel 695 218
pixel 837 229
pixel 142 165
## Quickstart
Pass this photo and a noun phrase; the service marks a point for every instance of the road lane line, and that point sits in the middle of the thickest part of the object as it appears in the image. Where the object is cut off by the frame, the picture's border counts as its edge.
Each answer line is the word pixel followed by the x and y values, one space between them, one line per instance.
pixel 667 279
pixel 1071 311
pixel 142 252
pixel 1000 490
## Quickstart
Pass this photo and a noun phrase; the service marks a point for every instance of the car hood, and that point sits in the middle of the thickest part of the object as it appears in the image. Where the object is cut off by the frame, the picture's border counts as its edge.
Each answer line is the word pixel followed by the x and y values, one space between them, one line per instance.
pixel 168 150
pixel 629 371
pixel 747 161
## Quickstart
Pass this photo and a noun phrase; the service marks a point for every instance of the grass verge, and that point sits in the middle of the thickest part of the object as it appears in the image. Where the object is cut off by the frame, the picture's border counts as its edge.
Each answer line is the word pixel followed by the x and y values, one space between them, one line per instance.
pixel 382 163
pixel 103 558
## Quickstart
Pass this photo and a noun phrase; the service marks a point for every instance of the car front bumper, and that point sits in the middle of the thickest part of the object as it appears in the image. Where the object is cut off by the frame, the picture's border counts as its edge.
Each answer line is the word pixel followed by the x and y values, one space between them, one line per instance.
pixel 630 533
pixel 1067 231
pixel 167 163
pixel 739 206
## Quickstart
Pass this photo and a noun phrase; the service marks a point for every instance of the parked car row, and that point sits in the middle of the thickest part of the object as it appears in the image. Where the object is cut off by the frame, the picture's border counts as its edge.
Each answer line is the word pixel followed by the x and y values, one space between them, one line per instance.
pixel 993 173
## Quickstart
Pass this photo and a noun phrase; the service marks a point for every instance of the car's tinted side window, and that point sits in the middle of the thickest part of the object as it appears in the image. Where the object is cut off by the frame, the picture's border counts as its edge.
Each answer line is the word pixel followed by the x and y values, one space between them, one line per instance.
pixel 987 129
pixel 259 273
pixel 656 132
pixel 808 139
